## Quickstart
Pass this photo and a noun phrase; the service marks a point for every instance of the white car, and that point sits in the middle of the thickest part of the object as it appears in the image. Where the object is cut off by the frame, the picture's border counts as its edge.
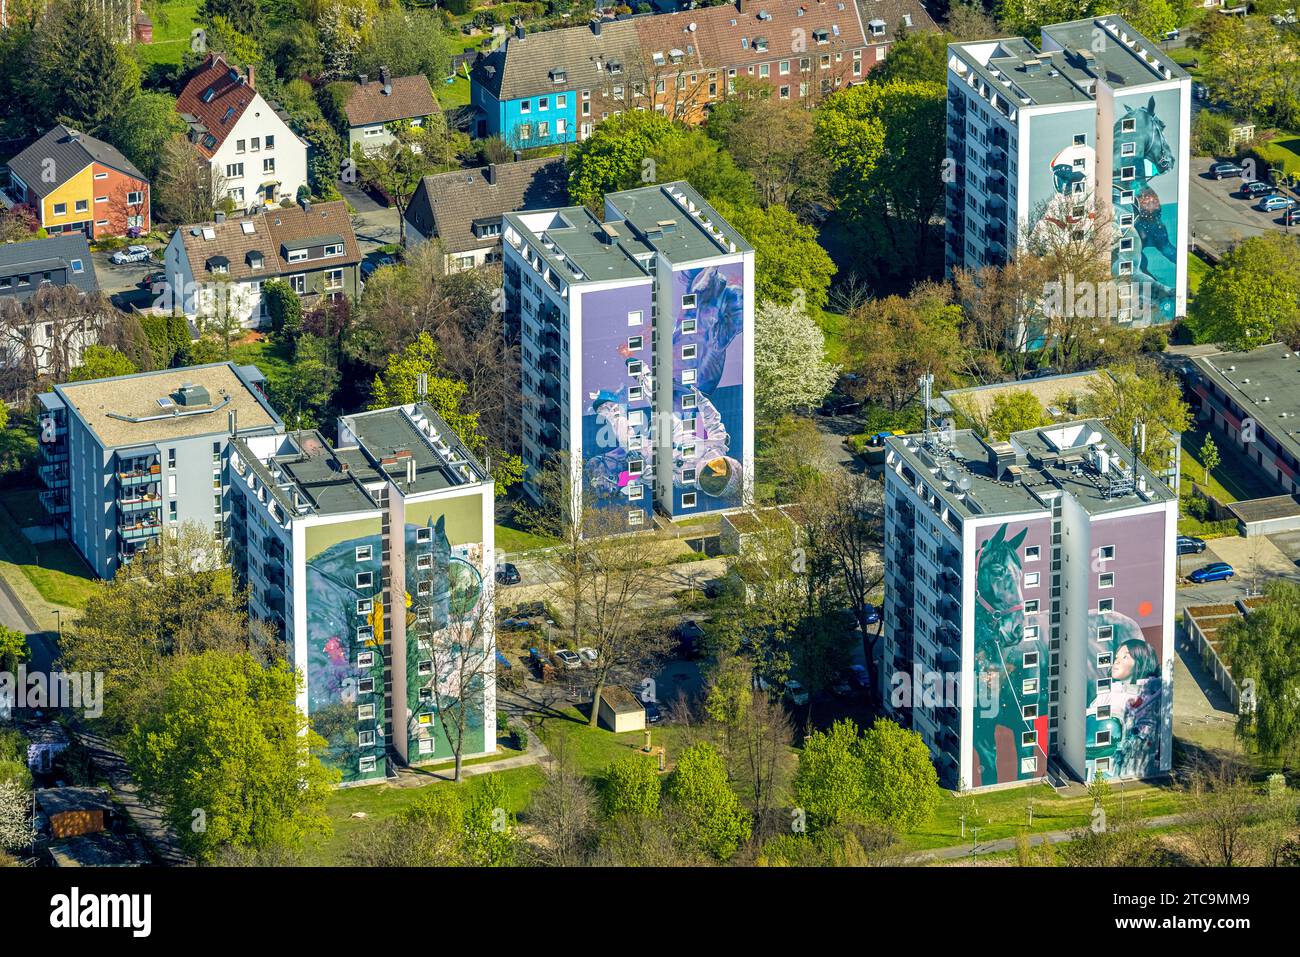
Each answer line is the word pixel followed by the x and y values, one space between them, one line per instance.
pixel 131 254
pixel 588 656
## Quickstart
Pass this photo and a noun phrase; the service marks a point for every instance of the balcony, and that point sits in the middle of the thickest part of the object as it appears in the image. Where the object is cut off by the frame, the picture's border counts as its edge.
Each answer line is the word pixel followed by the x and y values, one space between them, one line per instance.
pixel 139 531
pixel 139 505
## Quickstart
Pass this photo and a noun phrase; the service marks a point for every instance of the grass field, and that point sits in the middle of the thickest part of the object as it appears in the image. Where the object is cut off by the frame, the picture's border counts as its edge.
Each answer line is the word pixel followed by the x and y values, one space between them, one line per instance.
pixel 832 324
pixel 1231 481
pixel 173 26
pixel 1197 269
pixel 1284 151
pixel 55 569
pixel 516 540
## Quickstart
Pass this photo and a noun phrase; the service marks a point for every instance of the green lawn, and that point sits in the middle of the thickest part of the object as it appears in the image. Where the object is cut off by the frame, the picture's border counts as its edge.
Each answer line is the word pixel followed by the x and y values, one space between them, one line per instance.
pixel 1197 269
pixel 24 506
pixel 514 540
pixel 1232 481
pixel 54 568
pixel 832 324
pixel 383 800
pixel 270 357
pixel 594 748
pixel 1284 151
pixel 173 25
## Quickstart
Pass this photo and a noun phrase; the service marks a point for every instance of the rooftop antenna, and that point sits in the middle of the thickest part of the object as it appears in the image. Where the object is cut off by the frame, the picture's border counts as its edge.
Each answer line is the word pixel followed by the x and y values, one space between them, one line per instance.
pixel 1139 445
pixel 422 386
pixel 926 382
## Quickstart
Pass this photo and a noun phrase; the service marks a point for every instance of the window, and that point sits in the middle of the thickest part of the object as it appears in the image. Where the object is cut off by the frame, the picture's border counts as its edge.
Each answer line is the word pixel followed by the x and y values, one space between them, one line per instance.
pixel 1029 686
pixel 688 352
pixel 1106 553
pixel 688 475
pixel 634 367
pixel 1028 739
pixel 373 131
pixel 333 279
pixel 298 284
pixel 634 317
pixel 1127 172
pixel 635 492
pixel 365 633
pixel 424 668
pixel 1029 712
pixel 543 104
pixel 1031 659
pixel 234 170
pixel 365 579
pixel 1106 604
pixel 1080 139
pixel 1028 765
pixel 239 146
pixel 1106 580
pixel 365 712
pixel 364 553
pixel 366 765
pixel 365 739
pixel 1031 579
pixel 424 561
pixel 1103 712
pixel 1105 632
pixel 1128 126
pixel 543 129
pixel 635 517
pixel 77 266
pixel 688 376
pixel 1032 553
pixel 688 401
pixel 424 588
pixel 634 393
pixel 634 343
pixel 688 500
pixel 688 327
pixel 83 206
pixel 101 176
pixel 1103 737
pixel 135 198
pixel 366 686
pixel 297 255
pixel 635 466
pixel 1031 606
pixel 525 106
pixel 424 535
pixel 688 301
pixel 60 209
pixel 1104 659
pixel 270 143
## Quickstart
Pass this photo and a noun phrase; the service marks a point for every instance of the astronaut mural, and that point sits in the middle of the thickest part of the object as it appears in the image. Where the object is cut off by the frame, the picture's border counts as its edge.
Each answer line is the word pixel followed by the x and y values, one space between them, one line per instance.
pixel 708 393
pixel 1145 197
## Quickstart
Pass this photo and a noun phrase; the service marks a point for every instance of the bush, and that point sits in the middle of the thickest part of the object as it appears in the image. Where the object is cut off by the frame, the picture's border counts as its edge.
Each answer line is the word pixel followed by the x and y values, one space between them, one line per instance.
pixel 1211 134
pixel 519 737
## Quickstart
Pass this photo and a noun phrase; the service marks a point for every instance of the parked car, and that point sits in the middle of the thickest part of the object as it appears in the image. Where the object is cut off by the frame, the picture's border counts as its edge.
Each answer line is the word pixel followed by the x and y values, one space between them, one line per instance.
pixel 687 636
pixel 1273 204
pixel 369 266
pixel 842 686
pixel 153 281
pixel 1170 35
pixel 569 659
pixel 837 403
pixel 131 254
pixel 653 713
pixel 860 676
pixel 1292 217
pixel 589 656
pixel 1225 169
pixel 1213 572
pixel 507 574
pixel 872 613
pixel 1190 545
pixel 514 624
pixel 1257 188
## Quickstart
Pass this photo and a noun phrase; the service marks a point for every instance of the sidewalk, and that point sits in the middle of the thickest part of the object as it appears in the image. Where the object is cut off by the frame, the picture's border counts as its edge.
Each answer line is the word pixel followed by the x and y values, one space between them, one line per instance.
pixel 1009 843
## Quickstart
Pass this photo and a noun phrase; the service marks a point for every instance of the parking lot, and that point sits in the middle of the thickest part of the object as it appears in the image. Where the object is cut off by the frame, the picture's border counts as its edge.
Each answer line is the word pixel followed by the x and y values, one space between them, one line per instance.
pixel 1220 216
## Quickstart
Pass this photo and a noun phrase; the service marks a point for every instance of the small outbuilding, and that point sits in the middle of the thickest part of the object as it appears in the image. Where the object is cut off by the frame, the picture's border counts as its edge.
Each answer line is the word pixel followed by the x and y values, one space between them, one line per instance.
pixel 620 711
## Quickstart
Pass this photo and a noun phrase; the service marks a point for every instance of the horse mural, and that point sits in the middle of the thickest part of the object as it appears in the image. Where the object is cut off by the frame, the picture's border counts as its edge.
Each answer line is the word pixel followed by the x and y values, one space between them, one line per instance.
pixel 1157 257
pixel 999 646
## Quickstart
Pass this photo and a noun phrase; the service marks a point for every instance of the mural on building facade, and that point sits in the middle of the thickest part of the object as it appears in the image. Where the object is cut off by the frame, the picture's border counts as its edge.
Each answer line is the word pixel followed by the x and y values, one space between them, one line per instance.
pixel 1145 196
pixel 1010 719
pixel 1126 699
pixel 708 392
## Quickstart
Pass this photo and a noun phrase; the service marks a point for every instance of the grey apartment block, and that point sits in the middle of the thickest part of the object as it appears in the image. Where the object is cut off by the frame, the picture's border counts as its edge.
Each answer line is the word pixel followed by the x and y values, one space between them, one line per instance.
pixel 127 459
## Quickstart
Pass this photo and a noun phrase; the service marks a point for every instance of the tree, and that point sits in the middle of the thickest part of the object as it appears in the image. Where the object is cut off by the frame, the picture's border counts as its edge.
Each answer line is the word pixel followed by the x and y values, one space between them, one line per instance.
pixel 230 757
pixel 790 266
pixel 396 167
pixel 489 837
pixel 1010 412
pixel 1027 17
pixel 1002 314
pixel 284 307
pixel 397 385
pixel 1209 456
pixel 598 578
pixel 143 129
pixel 1223 808
pixel 431 832
pixel 790 367
pixel 830 783
pixel 563 812
pixel 13 649
pixel 1252 296
pixel 915 57
pixel 188 188
pixel 631 786
pixel 892 342
pixel 1264 648
pixel 101 362
pixel 86 74
pixel 408 42
pixel 714 820
pixel 885 142
pixel 242 15
pixel 16 832
pixel 1136 392
pixel 901 784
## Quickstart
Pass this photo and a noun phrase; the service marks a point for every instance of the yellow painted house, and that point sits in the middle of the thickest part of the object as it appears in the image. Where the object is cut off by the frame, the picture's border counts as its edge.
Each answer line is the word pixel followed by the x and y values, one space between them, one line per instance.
pixel 77 183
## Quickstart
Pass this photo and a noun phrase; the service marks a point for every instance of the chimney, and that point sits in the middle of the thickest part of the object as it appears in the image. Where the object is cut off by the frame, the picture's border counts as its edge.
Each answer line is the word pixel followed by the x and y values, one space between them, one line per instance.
pixel 518 156
pixel 384 75
pixel 740 6
pixel 306 205
pixel 251 84
pixel 219 217
pixel 492 174
pixel 519 32
pixel 595 26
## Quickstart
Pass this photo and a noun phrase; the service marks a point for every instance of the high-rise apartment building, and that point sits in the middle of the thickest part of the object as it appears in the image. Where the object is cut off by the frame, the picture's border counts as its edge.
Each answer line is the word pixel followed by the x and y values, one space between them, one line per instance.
pixel 1089 131
pixel 1029 604
pixel 374 560
pixel 637 350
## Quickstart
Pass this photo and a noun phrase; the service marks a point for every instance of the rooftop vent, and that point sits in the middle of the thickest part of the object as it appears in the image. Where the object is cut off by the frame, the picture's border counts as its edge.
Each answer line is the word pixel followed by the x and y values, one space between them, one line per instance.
pixel 191 396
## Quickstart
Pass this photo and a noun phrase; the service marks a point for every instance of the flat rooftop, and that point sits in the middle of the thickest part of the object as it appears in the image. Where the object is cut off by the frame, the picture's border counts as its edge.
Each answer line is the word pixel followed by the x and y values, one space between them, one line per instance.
pixel 1082 459
pixel 1265 382
pixel 143 409
pixel 1049 390
pixel 577 247
pixel 1073 57
pixel 392 438
pixel 677 221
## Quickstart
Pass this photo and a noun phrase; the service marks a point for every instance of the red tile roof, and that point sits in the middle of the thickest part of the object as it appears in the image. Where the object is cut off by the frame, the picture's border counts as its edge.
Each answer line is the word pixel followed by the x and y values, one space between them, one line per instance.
pixel 216 112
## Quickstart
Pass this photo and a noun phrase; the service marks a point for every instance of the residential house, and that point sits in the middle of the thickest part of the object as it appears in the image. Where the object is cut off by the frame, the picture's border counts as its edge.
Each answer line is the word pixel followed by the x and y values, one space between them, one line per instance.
pixel 554 87
pixel 462 209
pixel 257 159
pixel 373 105
pixel 78 184
pixel 27 268
pixel 218 268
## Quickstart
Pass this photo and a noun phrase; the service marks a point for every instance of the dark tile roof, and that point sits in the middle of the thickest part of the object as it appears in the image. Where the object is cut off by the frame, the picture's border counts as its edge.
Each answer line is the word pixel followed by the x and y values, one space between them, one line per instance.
pixel 526 67
pixel 71 152
pixel 446 205
pixel 57 252
pixel 411 96
pixel 230 96
pixel 266 235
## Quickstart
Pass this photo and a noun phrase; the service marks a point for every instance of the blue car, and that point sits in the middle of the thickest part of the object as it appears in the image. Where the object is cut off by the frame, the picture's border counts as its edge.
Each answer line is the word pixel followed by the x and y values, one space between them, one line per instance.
pixel 1213 572
pixel 1272 204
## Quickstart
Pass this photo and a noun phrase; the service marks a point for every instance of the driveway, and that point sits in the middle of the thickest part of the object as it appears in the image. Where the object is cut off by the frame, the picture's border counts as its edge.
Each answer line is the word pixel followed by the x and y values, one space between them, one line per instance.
pixel 375 224
pixel 122 283
pixel 1219 215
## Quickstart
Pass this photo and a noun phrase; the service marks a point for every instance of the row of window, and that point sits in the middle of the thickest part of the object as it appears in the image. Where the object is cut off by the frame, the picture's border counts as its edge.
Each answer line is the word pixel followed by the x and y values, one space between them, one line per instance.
pixel 254 144
pixel 236 170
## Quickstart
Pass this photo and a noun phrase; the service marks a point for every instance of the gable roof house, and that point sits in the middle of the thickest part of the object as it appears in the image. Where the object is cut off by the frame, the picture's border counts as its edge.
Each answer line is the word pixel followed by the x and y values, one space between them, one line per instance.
pixel 257 159
pixel 78 184
pixel 374 104
pixel 553 87
pixel 43 341
pixel 462 209
pixel 221 265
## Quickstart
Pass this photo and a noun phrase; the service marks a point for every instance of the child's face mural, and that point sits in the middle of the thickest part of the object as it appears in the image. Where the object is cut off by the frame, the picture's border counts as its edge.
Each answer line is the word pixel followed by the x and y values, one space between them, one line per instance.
pixel 1123 666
